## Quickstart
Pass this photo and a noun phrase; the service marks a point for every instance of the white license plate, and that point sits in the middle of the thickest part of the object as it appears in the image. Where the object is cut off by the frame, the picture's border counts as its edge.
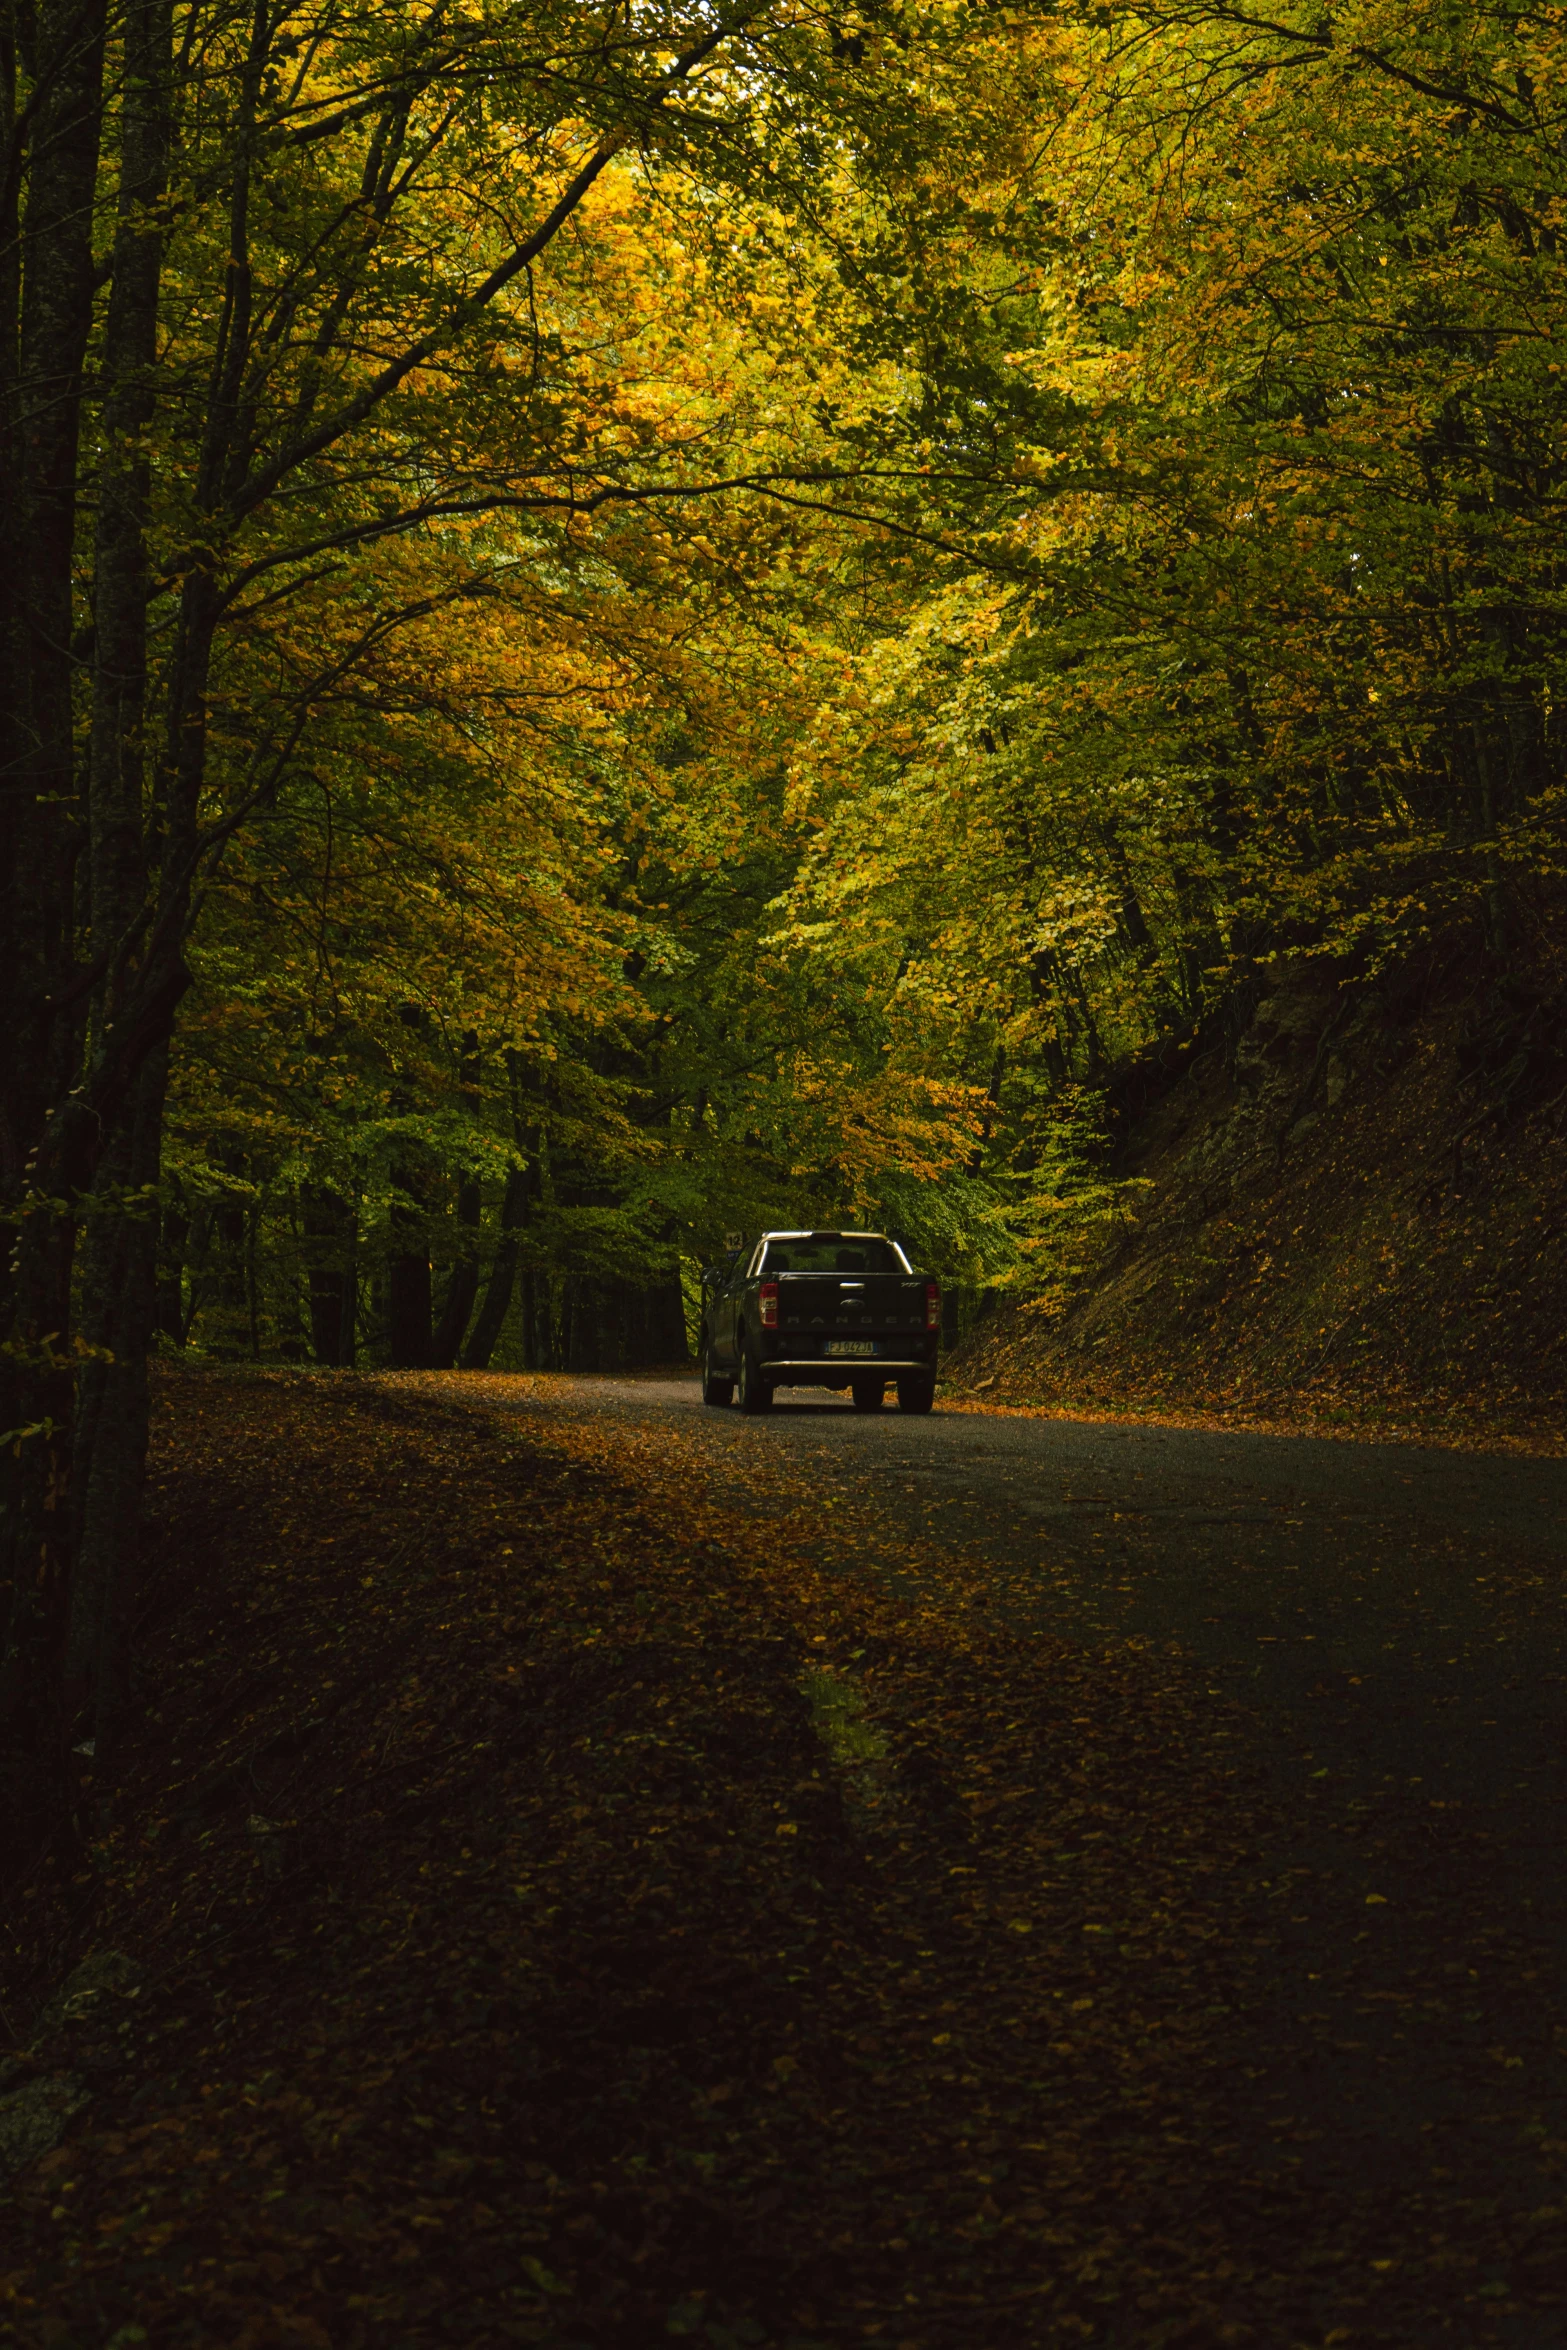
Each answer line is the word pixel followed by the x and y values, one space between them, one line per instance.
pixel 851 1346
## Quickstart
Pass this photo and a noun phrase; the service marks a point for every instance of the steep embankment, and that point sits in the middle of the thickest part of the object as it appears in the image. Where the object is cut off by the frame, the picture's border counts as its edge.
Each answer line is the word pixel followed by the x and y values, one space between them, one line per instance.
pixel 1355 1215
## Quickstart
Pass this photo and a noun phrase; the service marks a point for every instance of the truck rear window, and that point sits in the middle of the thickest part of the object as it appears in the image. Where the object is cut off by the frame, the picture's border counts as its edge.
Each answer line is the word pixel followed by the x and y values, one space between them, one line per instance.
pixel 832 1256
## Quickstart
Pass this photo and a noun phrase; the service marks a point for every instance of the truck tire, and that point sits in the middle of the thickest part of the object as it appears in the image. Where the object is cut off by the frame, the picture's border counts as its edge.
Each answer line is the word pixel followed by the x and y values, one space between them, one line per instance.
pixel 869 1394
pixel 755 1393
pixel 916 1392
pixel 716 1389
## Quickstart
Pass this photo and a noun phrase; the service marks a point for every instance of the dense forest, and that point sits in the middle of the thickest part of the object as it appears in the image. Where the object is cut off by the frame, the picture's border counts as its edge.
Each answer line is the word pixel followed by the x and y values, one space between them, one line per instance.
pixel 624 621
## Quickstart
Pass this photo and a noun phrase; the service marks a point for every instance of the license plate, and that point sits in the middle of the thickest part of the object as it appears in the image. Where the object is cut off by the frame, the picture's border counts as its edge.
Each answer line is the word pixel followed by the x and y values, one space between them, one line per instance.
pixel 851 1346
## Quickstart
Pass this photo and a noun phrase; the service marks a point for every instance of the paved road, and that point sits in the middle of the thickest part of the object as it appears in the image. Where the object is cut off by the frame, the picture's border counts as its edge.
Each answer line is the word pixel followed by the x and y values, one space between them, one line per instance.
pixel 1415 1600
pixel 1392 1624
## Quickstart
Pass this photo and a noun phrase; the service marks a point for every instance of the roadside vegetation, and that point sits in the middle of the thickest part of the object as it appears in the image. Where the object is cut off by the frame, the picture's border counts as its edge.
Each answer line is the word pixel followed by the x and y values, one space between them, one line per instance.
pixel 1353 1222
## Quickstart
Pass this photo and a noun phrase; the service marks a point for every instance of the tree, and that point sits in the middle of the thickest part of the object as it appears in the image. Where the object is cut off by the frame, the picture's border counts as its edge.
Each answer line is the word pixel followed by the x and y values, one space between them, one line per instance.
pixel 321 375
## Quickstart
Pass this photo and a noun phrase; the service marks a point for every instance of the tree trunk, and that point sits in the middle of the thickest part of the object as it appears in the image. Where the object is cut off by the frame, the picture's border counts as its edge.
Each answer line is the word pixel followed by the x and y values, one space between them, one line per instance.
pixel 667 1341
pixel 408 1275
pixel 408 1310
pixel 253 1277
pixel 230 1224
pixel 462 1285
pixel 139 974
pixel 118 771
pixel 548 1323
pixel 582 1337
pixel 110 1452
pixel 44 336
pixel 503 1273
pixel 174 1234
pixel 330 1231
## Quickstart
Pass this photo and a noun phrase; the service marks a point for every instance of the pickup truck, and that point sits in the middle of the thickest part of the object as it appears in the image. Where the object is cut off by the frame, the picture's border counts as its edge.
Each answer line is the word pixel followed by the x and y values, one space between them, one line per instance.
pixel 819 1309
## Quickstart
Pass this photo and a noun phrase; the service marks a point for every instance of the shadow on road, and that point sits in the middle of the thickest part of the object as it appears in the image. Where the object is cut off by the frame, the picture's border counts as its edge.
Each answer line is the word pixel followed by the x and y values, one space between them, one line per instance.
pixel 1389 1625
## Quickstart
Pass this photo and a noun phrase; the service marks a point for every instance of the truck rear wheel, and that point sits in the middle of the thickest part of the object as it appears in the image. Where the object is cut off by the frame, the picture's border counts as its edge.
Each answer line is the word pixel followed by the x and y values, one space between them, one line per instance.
pixel 716 1389
pixel 869 1394
pixel 916 1392
pixel 755 1393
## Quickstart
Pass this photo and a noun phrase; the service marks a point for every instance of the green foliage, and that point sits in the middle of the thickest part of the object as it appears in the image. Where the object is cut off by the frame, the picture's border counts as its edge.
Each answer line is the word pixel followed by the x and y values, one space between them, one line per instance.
pixel 1144 437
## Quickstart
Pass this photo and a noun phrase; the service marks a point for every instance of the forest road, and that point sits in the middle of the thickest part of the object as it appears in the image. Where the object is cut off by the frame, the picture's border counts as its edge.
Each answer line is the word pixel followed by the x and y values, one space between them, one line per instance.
pixel 1389 1623
pixel 1408 1605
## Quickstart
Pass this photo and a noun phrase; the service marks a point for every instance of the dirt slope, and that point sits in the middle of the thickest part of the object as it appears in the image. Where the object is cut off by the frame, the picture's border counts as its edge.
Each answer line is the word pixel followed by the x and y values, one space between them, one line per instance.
pixel 1355 1215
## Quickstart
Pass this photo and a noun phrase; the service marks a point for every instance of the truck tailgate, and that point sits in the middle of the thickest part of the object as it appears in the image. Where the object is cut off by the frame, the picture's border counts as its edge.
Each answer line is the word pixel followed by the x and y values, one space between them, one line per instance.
pixel 824 1305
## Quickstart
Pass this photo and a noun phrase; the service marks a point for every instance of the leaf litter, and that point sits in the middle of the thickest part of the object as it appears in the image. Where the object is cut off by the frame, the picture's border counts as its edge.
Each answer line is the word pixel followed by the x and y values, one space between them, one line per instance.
pixel 550 1908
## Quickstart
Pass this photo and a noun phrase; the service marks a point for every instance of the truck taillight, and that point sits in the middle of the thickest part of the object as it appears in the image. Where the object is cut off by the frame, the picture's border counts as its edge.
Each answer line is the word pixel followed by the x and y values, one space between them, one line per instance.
pixel 932 1306
pixel 769 1296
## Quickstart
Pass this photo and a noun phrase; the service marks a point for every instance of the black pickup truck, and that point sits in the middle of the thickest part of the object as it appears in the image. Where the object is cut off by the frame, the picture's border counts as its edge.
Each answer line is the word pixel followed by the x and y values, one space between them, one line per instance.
pixel 819 1309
